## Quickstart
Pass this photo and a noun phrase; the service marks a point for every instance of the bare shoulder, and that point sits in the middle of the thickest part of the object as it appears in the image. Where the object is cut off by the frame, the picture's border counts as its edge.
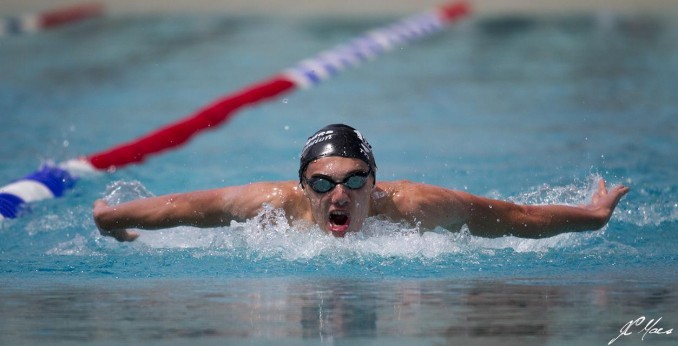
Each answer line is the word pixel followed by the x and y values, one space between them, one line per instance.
pixel 427 204
pixel 274 192
pixel 249 198
pixel 407 193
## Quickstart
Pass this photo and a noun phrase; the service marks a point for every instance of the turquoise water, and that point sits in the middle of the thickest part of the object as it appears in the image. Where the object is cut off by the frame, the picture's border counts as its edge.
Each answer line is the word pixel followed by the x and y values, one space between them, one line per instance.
pixel 531 109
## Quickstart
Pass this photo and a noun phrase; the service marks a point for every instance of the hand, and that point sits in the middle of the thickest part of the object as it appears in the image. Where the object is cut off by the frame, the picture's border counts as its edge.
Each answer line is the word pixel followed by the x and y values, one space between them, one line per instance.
pixel 604 201
pixel 121 235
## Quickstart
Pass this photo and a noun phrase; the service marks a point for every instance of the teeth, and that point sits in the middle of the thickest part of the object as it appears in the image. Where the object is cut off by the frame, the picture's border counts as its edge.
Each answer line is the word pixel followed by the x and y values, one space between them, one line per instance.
pixel 338 217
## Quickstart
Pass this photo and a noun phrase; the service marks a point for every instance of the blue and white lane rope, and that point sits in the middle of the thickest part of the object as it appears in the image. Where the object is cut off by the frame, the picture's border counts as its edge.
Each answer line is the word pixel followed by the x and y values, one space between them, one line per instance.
pixel 364 48
pixel 26 23
pixel 46 183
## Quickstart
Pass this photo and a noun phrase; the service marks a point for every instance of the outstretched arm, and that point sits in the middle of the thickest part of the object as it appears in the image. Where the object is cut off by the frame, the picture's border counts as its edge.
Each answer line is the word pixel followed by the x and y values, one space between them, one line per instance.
pixel 493 218
pixel 209 208
pixel 432 206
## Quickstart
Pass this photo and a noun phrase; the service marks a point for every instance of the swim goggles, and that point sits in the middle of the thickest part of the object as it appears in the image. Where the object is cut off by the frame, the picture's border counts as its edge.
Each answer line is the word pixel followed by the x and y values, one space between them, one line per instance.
pixel 324 184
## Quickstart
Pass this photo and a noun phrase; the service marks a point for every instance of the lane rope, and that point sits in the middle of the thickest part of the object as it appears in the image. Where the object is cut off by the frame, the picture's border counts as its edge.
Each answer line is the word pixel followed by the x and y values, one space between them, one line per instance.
pixel 33 22
pixel 53 180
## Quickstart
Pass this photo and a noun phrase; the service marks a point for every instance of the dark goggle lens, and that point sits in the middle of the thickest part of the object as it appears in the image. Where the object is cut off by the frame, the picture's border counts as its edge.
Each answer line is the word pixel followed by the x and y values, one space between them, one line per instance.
pixel 321 185
pixel 353 182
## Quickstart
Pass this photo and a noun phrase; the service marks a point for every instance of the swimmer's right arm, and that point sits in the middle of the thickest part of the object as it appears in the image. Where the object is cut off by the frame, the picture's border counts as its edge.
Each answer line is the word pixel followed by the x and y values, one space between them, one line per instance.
pixel 193 208
pixel 208 208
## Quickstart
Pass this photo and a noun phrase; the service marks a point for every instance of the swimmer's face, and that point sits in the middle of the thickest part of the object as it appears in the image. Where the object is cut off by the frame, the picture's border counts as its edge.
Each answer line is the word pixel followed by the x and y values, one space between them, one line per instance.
pixel 341 209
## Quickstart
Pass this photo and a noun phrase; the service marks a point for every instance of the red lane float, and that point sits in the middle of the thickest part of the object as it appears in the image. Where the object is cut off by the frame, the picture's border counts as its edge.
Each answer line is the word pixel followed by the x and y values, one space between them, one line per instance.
pixel 180 132
pixel 71 14
pixel 52 181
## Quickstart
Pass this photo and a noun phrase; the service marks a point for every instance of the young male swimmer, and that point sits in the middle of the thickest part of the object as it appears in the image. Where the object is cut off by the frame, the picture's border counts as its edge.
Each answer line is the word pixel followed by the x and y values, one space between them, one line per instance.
pixel 337 190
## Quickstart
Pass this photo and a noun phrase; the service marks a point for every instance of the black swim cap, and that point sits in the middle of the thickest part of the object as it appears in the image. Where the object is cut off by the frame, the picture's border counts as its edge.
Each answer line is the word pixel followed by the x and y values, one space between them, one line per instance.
pixel 337 140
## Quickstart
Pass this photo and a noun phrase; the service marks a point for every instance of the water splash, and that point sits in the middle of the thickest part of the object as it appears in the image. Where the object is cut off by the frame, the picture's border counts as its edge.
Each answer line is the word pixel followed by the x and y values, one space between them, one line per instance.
pixel 269 236
pixel 578 192
pixel 123 191
pixel 645 206
pixel 655 207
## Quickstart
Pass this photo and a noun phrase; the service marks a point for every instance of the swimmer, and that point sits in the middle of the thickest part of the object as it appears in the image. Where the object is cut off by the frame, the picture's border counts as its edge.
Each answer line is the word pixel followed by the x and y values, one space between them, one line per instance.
pixel 338 190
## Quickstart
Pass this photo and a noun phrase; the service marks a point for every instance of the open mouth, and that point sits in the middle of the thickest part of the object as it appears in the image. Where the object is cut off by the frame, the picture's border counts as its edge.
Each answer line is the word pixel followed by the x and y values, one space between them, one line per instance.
pixel 339 221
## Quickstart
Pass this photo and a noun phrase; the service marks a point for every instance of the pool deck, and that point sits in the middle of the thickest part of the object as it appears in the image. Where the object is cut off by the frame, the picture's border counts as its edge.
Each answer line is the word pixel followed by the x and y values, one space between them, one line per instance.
pixel 344 7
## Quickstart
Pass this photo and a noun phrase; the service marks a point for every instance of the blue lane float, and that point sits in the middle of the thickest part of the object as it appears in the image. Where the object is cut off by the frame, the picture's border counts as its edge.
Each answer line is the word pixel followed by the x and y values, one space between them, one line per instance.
pixel 46 183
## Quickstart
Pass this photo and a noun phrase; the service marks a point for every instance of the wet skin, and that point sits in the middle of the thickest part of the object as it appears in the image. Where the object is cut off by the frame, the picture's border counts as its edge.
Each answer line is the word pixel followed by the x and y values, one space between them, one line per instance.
pixel 340 210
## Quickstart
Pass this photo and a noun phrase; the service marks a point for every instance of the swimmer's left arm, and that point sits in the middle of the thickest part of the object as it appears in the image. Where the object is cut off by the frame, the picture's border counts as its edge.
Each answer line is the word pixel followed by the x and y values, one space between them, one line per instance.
pixel 492 218
pixel 431 206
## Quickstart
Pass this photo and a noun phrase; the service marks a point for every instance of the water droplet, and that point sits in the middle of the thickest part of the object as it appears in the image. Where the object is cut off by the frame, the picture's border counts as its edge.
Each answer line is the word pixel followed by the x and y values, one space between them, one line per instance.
pixel 287 127
pixel 284 100
pixel 66 143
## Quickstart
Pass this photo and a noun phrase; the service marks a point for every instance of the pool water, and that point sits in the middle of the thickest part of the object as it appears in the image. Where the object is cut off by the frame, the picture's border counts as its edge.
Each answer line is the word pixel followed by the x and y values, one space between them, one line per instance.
pixel 529 109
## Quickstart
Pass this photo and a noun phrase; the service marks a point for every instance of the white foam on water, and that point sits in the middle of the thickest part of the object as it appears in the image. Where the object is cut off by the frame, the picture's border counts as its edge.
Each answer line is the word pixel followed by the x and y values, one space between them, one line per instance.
pixel 269 235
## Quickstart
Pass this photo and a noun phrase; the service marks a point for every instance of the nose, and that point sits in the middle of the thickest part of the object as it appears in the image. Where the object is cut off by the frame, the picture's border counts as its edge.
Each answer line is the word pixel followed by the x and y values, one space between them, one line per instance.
pixel 339 195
